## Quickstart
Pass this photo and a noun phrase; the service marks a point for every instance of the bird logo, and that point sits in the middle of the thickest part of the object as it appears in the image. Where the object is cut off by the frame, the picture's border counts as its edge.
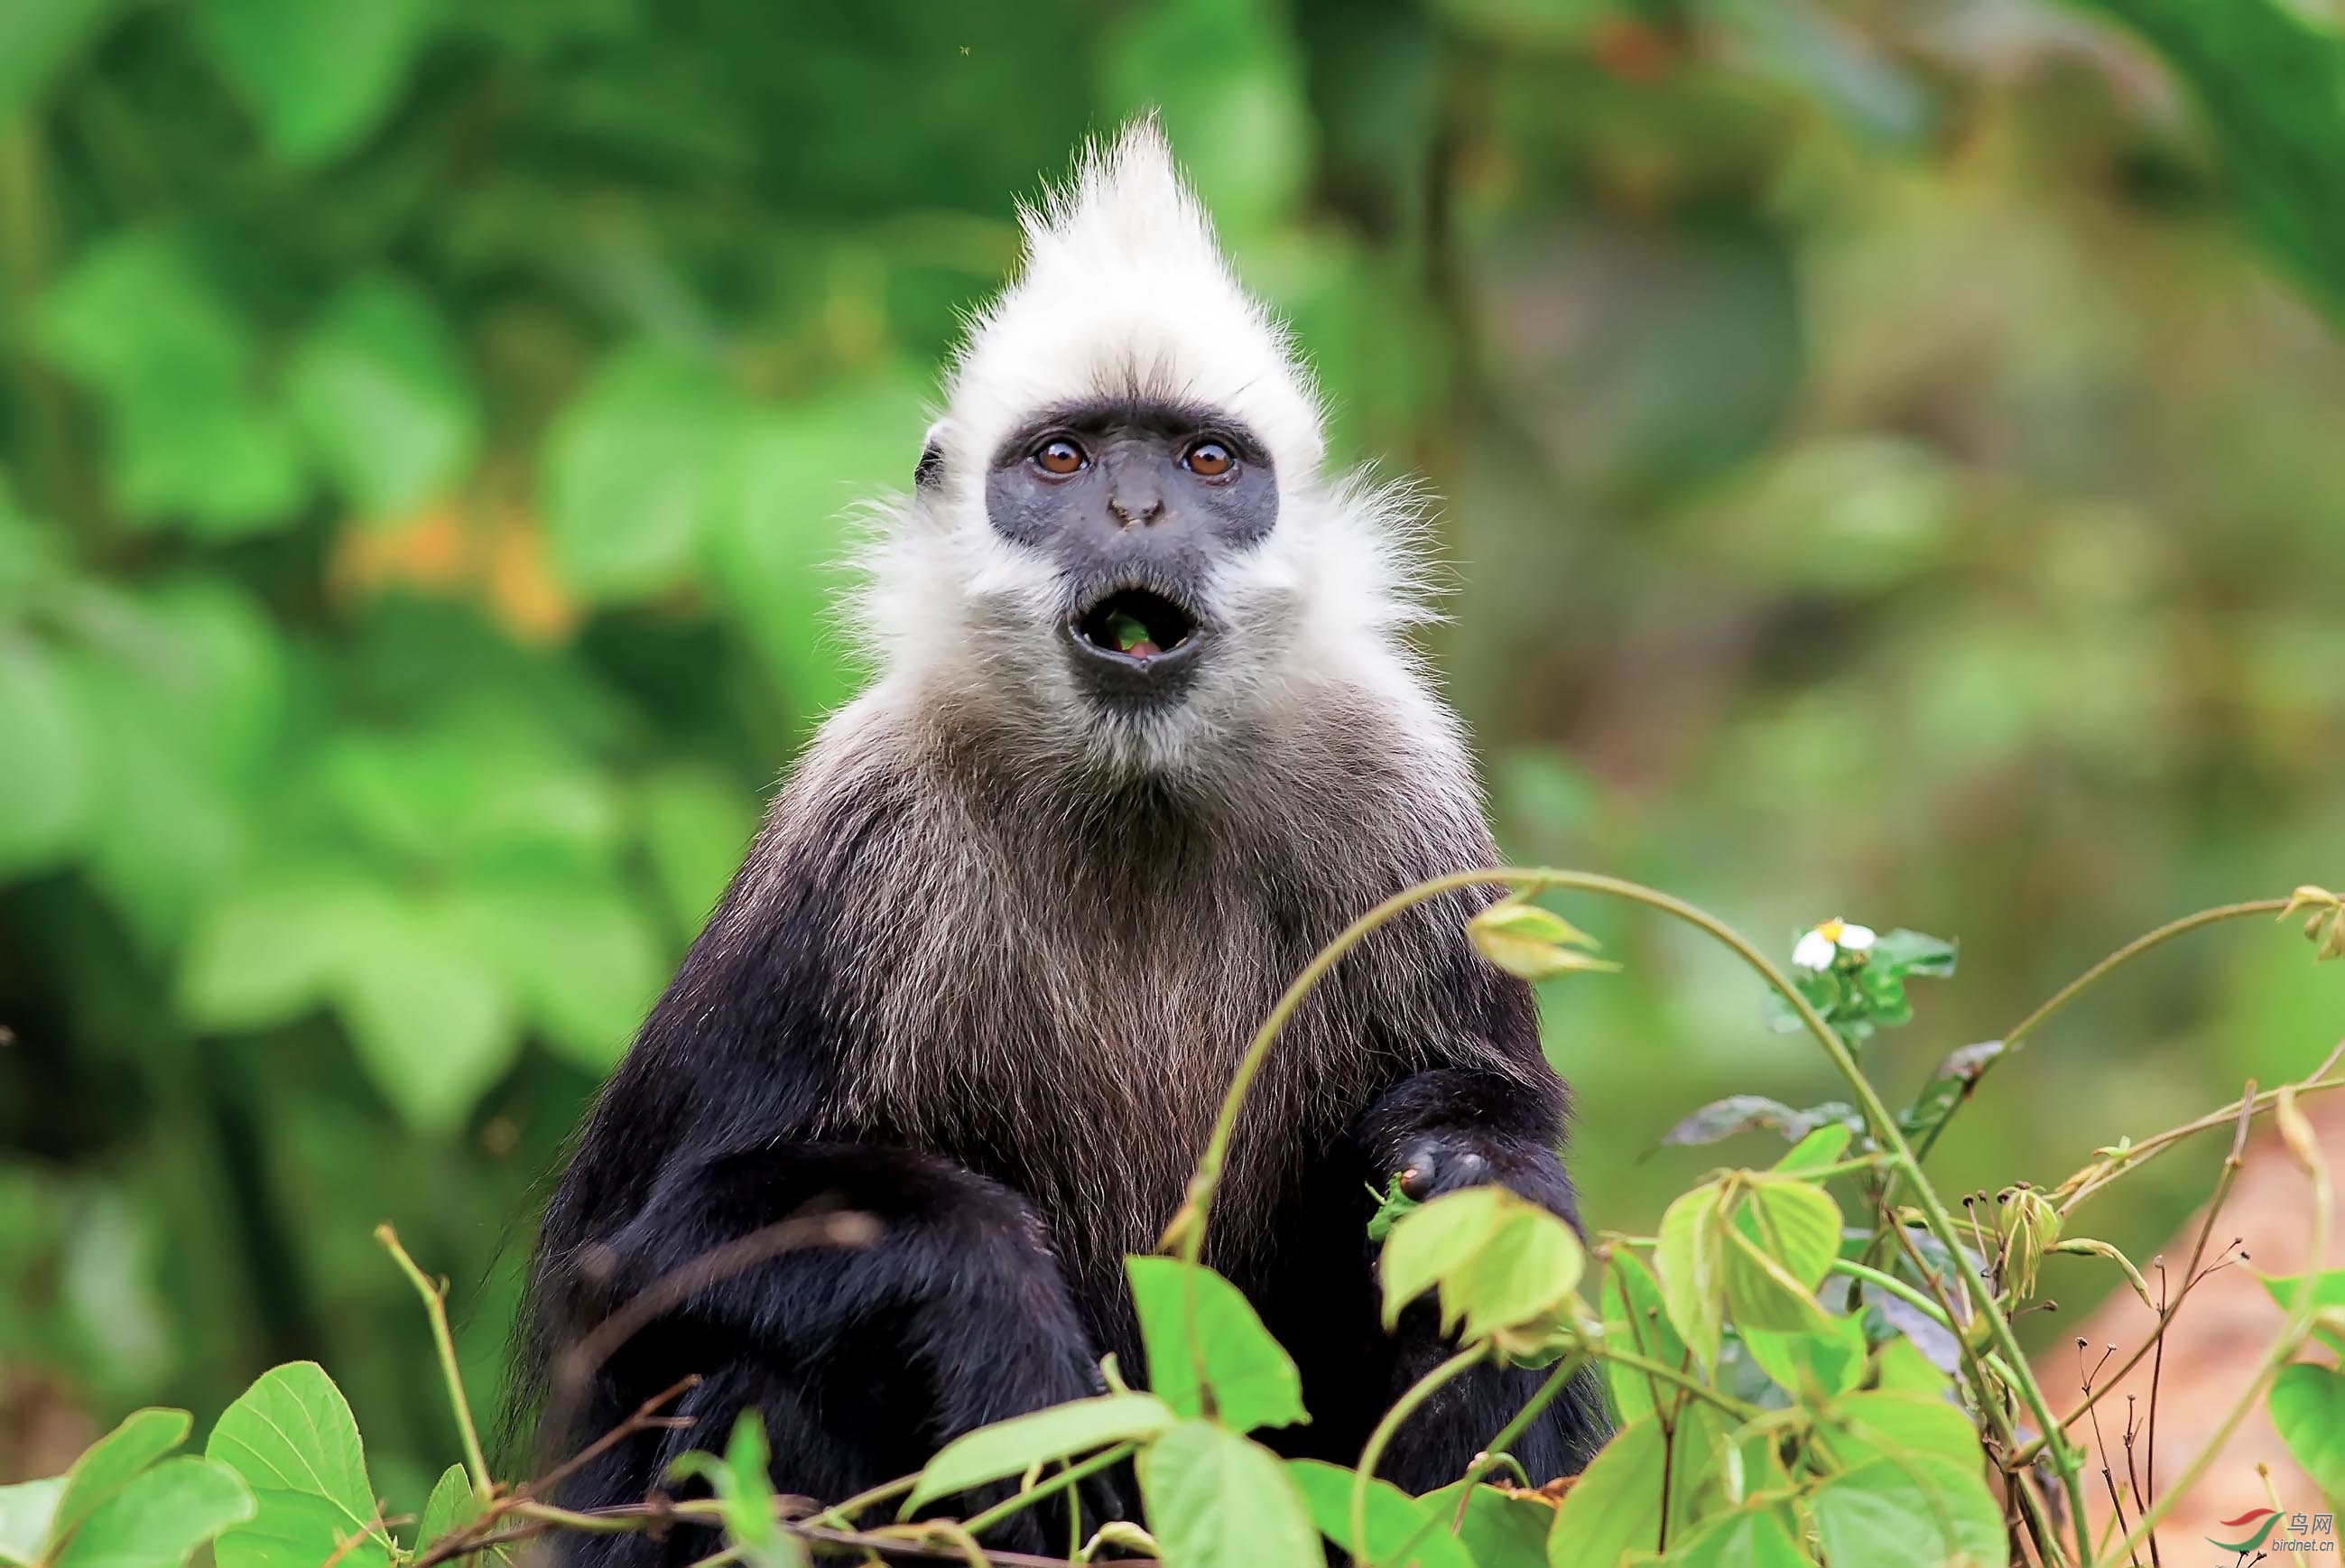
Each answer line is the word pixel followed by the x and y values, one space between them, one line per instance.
pixel 2262 1520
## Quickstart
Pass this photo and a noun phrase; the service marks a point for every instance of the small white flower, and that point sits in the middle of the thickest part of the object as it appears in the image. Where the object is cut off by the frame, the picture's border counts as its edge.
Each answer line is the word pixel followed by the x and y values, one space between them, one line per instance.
pixel 1820 948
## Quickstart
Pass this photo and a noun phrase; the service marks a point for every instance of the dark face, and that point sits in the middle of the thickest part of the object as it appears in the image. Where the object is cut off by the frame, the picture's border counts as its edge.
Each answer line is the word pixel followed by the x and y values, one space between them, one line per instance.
pixel 1136 505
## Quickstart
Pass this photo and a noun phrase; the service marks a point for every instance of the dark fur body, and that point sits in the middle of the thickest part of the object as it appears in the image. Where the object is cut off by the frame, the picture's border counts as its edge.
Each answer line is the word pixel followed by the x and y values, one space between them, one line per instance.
pixel 994 998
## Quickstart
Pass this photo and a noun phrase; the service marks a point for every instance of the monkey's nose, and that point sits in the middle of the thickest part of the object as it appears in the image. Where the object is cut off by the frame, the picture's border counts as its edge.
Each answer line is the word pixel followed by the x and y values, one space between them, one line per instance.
pixel 1131 506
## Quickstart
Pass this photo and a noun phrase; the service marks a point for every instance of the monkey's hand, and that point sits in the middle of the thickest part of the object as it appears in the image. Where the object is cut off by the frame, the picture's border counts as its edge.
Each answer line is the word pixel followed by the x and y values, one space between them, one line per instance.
pixel 1445 1130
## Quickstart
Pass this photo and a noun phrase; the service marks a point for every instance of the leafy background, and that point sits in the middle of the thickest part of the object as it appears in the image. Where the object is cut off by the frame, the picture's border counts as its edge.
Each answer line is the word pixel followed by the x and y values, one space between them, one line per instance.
pixel 1891 467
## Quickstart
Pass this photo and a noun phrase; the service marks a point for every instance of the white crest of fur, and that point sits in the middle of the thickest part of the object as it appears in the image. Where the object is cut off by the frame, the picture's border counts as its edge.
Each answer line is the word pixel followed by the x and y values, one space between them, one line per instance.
pixel 1124 292
pixel 1125 289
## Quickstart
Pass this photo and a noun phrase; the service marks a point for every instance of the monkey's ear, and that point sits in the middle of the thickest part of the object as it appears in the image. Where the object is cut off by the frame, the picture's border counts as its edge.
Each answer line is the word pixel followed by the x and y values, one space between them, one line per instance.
pixel 930 471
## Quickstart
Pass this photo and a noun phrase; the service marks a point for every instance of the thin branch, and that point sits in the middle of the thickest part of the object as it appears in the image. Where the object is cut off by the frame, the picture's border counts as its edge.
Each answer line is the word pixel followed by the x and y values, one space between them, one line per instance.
pixel 435 1305
pixel 2093 976
pixel 2298 1329
pixel 2240 1111
pixel 578 1364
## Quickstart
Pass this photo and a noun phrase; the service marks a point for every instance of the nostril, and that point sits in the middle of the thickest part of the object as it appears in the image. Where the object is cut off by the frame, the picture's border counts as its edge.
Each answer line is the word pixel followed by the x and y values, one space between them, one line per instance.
pixel 1143 511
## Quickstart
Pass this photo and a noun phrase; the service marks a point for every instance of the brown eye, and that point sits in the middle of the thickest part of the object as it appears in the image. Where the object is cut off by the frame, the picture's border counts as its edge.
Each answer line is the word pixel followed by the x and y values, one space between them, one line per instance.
pixel 1209 460
pixel 1060 457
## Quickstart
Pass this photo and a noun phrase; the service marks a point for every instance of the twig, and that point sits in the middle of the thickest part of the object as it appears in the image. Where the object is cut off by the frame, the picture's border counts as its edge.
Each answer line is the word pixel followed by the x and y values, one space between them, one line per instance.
pixel 2241 1111
pixel 2101 1173
pixel 581 1360
pixel 435 1305
pixel 2298 1329
pixel 640 1421
pixel 1065 1477
pixel 2093 976
pixel 2233 1163
pixel 2100 1443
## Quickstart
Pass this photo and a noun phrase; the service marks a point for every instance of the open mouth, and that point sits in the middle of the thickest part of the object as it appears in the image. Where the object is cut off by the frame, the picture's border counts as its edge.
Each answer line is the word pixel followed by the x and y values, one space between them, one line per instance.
pixel 1135 625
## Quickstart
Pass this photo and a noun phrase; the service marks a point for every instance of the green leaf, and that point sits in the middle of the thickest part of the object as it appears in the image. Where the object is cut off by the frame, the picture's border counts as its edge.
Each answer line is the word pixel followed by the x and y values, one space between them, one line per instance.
pixel 1499 1261
pixel 320 78
pixel 1393 1518
pixel 380 387
pixel 1741 1538
pixel 1760 1293
pixel 108 1465
pixel 1530 942
pixel 636 469
pixel 743 1482
pixel 1615 1506
pixel 1888 1423
pixel 1813 1365
pixel 1015 1446
pixel 1692 1263
pixel 1394 1204
pixel 299 1529
pixel 1253 1382
pixel 1434 1240
pixel 1217 1499
pixel 451 1505
pixel 292 1431
pixel 26 1510
pixel 2328 1290
pixel 1634 1316
pixel 45 762
pixel 38 38
pixel 2308 1407
pixel 2278 142
pixel 1916 1513
pixel 1906 953
pixel 1500 1529
pixel 160 1517
pixel 1823 1146
pixel 1794 1222
pixel 190 438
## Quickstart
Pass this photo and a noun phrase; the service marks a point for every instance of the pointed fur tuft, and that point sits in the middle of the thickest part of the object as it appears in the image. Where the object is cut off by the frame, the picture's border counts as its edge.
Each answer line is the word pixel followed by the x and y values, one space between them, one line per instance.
pixel 1124 291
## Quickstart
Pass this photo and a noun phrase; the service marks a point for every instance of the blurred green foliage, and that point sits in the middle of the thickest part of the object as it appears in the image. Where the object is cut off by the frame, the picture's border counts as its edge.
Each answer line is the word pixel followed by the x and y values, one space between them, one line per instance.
pixel 1880 472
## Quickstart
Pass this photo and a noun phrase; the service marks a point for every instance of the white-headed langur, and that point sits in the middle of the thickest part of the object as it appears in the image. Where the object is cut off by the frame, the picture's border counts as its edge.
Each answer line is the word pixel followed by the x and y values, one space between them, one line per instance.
pixel 1146 733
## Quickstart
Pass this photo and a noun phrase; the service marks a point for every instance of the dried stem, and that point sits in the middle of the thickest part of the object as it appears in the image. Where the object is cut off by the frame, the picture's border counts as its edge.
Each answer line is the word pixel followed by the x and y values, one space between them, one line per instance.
pixel 2298 1331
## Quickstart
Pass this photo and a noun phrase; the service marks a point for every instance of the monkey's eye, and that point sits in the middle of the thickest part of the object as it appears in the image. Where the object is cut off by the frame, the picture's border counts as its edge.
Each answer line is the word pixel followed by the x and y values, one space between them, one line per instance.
pixel 1209 459
pixel 1059 457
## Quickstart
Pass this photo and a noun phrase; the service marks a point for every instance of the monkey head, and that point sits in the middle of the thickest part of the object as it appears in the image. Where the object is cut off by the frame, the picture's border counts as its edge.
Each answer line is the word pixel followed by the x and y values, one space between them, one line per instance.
pixel 1120 532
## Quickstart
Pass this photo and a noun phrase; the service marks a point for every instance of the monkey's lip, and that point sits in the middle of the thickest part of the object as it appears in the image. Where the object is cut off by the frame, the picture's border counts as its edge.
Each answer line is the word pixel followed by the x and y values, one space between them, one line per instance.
pixel 1136 630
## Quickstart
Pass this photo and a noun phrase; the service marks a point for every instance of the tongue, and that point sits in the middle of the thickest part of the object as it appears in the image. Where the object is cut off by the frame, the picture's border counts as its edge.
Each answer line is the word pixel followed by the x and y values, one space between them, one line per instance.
pixel 1144 649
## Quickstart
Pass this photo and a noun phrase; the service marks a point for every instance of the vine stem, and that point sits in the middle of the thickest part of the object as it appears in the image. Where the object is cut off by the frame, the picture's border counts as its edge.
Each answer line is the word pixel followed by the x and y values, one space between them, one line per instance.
pixel 1065 1477
pixel 1424 1389
pixel 1188 1227
pixel 2301 1316
pixel 1487 1460
pixel 2094 976
pixel 435 1305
